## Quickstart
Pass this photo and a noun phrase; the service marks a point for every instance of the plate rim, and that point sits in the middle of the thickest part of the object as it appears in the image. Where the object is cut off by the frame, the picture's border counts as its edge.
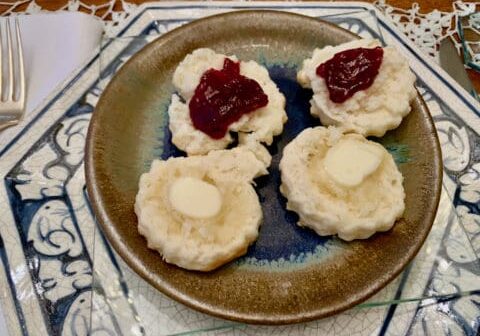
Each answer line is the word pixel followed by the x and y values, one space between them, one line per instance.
pixel 102 218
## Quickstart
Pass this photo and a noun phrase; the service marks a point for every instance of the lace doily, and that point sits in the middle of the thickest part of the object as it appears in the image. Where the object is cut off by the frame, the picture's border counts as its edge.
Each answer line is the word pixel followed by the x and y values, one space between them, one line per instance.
pixel 425 30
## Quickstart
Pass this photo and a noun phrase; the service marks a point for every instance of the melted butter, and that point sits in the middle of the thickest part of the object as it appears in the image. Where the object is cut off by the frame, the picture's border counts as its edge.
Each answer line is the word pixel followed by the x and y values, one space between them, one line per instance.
pixel 350 161
pixel 195 198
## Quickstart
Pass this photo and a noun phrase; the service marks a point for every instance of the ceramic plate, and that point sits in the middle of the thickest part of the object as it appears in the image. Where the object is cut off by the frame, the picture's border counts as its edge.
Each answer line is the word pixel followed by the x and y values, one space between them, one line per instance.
pixel 290 274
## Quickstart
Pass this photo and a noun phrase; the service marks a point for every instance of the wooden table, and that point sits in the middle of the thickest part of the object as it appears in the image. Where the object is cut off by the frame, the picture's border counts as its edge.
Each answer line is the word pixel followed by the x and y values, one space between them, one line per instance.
pixel 425 7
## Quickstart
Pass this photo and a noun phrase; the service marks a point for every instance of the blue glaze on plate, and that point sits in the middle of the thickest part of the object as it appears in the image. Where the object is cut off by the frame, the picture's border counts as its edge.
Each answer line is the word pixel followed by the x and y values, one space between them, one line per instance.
pixel 280 236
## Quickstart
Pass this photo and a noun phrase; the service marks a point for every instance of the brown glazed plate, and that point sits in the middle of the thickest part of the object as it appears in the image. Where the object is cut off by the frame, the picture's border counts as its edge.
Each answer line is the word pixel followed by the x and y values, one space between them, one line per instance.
pixel 290 274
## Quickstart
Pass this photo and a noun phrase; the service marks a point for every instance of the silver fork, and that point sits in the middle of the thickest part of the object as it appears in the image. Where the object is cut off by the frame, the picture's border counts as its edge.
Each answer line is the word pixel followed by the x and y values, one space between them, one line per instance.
pixel 12 92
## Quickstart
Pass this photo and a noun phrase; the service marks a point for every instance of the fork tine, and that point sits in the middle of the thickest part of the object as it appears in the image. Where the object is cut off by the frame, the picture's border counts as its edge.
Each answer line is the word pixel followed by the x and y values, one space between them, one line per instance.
pixel 10 63
pixel 20 81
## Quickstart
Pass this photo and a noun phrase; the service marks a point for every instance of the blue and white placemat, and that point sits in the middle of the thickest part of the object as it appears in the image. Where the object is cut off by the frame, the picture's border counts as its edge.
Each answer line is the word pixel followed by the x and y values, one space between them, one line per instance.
pixel 60 277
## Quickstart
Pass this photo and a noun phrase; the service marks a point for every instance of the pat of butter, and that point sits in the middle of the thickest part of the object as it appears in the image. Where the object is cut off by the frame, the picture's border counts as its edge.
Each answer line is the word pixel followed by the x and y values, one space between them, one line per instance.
pixel 195 198
pixel 350 161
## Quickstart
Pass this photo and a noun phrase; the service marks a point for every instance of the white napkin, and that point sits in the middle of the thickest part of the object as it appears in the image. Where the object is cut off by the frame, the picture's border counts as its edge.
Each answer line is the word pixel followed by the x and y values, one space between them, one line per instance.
pixel 54 46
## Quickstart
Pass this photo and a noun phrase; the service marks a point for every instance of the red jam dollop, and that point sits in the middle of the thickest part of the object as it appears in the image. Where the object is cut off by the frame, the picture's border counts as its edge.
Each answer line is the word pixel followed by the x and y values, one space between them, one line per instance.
pixel 223 97
pixel 350 71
